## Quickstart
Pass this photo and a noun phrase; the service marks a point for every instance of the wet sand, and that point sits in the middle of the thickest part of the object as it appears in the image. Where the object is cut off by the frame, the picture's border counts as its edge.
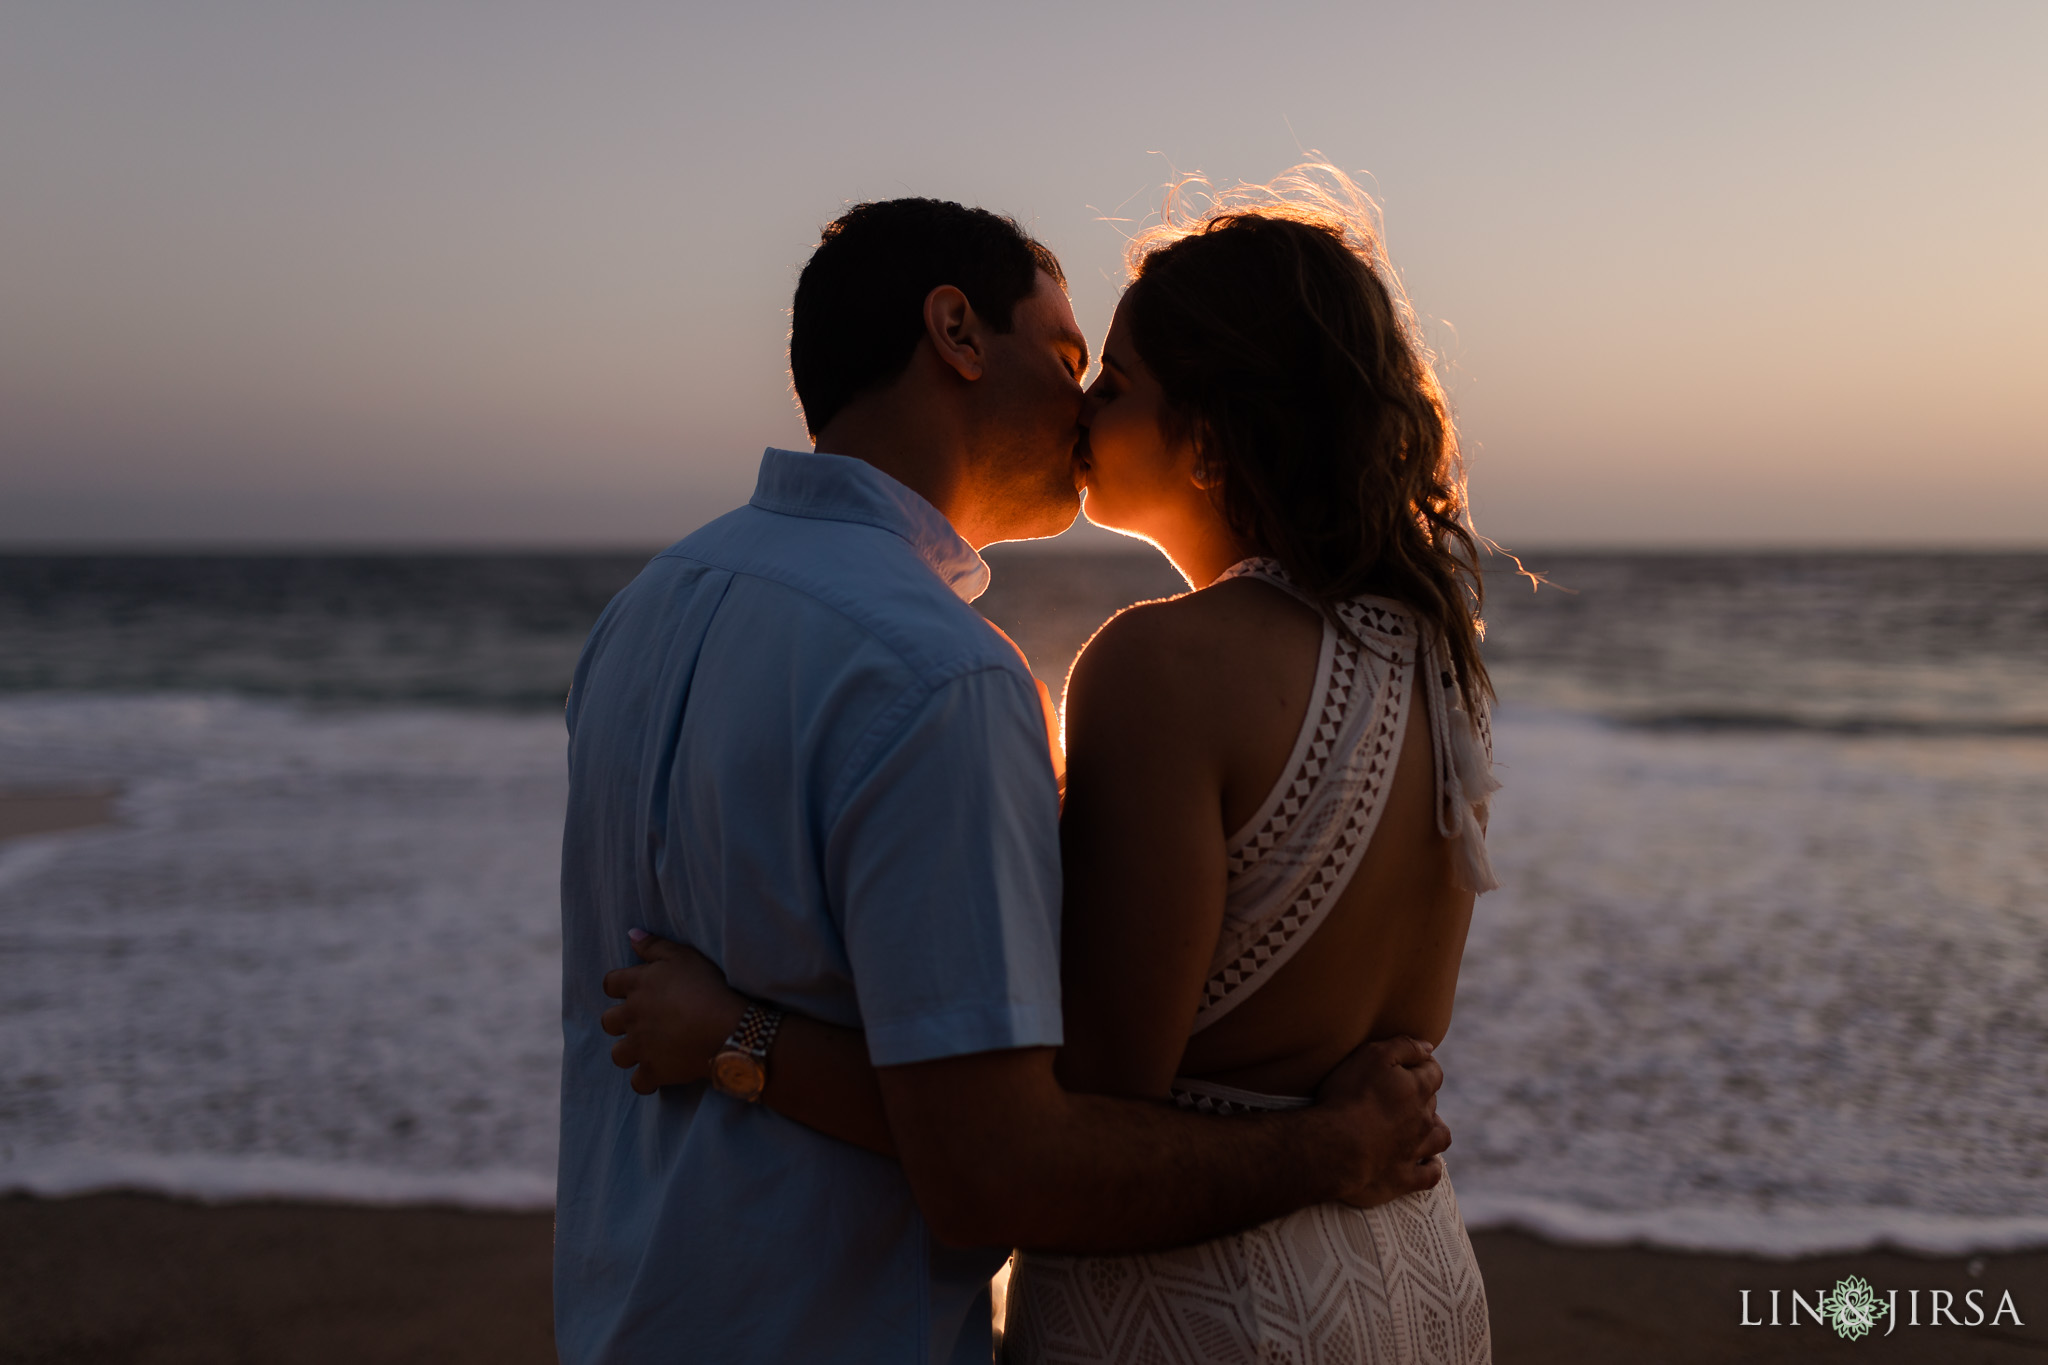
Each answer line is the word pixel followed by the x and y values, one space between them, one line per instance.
pixel 23 813
pixel 129 1278
pixel 119 1278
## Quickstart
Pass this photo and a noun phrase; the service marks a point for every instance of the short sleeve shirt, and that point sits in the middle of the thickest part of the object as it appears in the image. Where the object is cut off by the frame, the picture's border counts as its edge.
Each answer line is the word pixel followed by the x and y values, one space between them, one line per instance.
pixel 796 747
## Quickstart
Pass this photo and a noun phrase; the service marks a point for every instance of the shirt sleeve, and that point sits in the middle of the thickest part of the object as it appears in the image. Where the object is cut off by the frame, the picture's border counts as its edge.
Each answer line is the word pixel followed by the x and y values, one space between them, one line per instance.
pixel 942 866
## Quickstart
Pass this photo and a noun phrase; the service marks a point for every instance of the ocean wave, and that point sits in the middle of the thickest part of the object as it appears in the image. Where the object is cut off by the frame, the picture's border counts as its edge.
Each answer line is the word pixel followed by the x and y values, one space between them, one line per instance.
pixel 1778 1234
pixel 1834 723
pixel 226 1180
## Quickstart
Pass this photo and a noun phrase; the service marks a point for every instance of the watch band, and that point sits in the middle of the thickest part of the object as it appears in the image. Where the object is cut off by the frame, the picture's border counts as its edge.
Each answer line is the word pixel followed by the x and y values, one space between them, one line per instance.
pixel 755 1032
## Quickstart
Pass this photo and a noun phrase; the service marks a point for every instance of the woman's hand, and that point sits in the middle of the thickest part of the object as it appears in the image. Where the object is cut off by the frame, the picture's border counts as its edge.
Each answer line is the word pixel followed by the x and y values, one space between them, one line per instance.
pixel 673 1013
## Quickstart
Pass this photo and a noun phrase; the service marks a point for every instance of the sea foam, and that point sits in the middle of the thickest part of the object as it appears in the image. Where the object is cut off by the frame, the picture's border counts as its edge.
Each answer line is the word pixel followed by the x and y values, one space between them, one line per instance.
pixel 1758 991
pixel 1777 993
pixel 323 940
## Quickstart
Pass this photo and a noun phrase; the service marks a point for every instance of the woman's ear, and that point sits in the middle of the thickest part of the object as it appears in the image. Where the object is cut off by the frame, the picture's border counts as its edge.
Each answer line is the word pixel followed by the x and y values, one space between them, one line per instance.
pixel 955 331
pixel 1203 472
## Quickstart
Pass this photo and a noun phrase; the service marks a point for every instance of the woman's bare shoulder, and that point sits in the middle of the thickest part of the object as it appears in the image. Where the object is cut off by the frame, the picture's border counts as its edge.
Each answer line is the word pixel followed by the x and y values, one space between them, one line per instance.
pixel 1186 646
pixel 1132 652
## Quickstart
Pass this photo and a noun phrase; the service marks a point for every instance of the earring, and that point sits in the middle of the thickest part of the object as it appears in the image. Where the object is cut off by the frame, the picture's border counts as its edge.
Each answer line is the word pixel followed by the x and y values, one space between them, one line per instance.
pixel 1205 477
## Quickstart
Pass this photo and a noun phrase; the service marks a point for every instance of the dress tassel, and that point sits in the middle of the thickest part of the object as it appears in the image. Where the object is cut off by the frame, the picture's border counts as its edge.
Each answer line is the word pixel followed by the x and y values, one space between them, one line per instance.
pixel 1473 870
pixel 1475 774
pixel 1476 782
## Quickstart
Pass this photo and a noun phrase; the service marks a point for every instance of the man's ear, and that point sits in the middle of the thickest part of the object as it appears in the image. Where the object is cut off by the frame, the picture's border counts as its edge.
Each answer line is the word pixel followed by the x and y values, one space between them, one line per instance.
pixel 955 331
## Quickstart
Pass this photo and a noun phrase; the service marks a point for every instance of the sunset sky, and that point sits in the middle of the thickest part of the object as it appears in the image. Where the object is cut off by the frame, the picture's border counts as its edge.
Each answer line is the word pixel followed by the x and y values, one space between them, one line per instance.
pixel 517 274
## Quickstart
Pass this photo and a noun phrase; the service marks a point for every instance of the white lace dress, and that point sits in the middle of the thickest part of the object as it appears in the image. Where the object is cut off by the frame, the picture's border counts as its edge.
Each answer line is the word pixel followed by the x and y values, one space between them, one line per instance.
pixel 1328 1283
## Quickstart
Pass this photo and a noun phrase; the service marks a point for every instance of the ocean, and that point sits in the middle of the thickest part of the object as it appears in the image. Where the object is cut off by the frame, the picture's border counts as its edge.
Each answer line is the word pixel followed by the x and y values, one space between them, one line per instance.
pixel 1768 971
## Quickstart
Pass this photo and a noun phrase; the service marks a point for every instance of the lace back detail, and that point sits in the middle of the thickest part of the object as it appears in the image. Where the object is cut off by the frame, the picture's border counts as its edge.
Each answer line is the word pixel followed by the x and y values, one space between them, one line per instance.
pixel 1292 860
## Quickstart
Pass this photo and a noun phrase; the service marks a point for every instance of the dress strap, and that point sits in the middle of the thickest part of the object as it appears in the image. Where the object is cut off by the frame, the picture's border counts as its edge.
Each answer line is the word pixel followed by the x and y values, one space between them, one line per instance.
pixel 1269 570
pixel 1461 736
pixel 1291 862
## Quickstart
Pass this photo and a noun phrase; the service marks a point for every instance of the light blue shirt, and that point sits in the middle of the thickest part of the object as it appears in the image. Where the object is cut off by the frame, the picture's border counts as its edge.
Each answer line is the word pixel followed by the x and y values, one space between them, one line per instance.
pixel 795 746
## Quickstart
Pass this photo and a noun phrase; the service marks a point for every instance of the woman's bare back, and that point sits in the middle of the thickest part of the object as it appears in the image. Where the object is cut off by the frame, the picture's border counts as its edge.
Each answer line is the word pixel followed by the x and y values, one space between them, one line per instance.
pixel 1232 680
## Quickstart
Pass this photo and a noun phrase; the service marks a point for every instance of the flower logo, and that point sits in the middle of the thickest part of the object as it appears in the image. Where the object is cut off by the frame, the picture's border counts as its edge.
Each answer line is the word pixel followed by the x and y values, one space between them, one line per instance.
pixel 1852 1309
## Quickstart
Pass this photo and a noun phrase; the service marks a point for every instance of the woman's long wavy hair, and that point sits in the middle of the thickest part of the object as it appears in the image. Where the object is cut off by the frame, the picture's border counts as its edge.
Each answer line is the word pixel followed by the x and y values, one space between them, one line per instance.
pixel 1288 352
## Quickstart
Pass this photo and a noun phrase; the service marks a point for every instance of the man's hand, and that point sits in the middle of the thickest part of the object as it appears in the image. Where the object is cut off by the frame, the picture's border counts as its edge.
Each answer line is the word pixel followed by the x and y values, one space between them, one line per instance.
pixel 998 1154
pixel 1385 1095
pixel 676 1010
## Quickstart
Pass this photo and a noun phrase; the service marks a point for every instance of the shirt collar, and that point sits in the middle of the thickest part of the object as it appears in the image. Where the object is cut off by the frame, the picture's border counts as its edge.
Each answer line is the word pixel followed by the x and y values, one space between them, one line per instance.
pixel 800 483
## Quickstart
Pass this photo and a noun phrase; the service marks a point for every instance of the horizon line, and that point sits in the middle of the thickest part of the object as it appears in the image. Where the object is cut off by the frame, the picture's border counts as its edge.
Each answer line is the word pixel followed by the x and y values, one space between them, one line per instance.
pixel 1133 548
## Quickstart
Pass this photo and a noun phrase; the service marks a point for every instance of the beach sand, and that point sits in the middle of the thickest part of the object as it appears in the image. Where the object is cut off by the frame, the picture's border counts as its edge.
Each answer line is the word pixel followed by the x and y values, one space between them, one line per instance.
pixel 131 1278
pixel 119 1278
pixel 46 812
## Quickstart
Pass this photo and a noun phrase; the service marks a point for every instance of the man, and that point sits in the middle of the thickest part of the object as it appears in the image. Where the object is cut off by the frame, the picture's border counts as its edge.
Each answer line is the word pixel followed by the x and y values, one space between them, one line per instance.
pixel 795 746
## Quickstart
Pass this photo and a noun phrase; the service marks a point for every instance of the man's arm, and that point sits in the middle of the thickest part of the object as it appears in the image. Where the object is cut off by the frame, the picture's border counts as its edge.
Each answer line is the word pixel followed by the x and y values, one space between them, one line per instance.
pixel 999 1154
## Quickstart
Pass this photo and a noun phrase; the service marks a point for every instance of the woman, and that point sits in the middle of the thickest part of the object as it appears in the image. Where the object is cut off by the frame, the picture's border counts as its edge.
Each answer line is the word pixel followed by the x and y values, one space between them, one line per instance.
pixel 1273 825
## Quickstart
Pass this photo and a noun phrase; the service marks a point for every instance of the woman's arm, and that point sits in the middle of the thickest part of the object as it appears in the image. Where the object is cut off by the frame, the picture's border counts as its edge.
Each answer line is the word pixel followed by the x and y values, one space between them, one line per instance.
pixel 675 1012
pixel 1142 844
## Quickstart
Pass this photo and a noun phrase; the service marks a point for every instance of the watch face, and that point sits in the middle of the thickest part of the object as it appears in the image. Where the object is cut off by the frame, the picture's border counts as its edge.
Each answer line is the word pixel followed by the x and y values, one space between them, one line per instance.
pixel 738 1075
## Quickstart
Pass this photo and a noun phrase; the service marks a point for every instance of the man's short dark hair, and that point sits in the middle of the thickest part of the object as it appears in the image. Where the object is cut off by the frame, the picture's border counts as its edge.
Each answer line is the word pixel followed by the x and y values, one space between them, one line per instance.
pixel 859 309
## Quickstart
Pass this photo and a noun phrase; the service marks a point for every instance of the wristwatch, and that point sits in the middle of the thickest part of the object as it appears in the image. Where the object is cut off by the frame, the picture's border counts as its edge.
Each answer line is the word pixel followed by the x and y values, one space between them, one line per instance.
pixel 740 1068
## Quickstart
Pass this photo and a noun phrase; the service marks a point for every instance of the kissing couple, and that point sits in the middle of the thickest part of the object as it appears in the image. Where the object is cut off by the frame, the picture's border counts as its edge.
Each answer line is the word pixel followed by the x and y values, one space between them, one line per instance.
pixel 926 978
